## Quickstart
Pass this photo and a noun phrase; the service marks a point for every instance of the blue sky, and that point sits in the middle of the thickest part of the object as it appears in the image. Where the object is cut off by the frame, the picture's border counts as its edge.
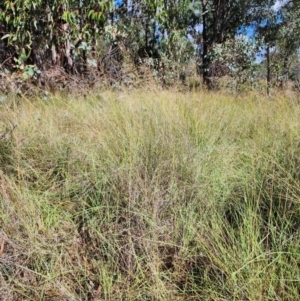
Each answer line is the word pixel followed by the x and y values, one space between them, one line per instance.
pixel 278 4
pixel 118 3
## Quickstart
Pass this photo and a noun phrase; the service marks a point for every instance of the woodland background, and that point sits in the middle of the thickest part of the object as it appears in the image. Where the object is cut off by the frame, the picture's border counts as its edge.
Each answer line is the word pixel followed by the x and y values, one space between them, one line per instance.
pixel 62 44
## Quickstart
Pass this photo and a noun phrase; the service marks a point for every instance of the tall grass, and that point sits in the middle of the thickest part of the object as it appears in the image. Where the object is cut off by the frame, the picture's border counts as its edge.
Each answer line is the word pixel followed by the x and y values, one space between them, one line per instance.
pixel 151 196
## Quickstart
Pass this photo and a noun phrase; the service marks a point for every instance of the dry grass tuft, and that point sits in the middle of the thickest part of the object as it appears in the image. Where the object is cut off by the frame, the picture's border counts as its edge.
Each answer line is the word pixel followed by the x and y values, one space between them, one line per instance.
pixel 150 195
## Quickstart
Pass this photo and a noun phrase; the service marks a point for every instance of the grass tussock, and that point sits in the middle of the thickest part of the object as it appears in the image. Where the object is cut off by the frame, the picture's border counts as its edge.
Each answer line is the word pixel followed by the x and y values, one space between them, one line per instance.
pixel 150 196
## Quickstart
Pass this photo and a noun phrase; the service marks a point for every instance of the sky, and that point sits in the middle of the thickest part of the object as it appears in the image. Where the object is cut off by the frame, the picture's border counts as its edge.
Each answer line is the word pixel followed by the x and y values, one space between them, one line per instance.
pixel 279 3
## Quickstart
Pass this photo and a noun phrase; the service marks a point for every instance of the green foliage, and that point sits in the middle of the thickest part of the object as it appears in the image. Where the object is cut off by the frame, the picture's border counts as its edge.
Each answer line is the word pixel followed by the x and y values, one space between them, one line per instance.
pixel 235 59
pixel 62 22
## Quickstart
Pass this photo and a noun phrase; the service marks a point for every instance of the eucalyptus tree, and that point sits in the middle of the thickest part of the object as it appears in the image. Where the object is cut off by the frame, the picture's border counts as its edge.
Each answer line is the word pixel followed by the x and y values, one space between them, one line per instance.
pixel 235 59
pixel 158 34
pixel 220 21
pixel 177 21
pixel 160 26
pixel 268 32
pixel 47 32
pixel 288 41
pixel 278 28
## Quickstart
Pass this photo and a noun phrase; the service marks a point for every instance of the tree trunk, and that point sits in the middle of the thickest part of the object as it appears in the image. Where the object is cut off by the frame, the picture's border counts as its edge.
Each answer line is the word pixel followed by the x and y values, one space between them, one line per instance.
pixel 54 55
pixel 205 59
pixel 284 71
pixel 268 70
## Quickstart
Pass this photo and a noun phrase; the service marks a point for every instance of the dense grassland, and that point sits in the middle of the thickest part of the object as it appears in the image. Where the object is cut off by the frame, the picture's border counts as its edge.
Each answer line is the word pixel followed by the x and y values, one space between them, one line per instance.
pixel 150 195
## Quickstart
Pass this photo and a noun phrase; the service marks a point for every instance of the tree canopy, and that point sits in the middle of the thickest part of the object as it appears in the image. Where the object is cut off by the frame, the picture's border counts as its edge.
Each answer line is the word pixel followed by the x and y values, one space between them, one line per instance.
pixel 103 38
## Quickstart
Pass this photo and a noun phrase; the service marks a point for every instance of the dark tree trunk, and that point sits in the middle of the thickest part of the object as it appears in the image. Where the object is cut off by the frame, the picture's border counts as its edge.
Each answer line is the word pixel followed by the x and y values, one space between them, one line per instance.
pixel 205 59
pixel 284 72
pixel 268 70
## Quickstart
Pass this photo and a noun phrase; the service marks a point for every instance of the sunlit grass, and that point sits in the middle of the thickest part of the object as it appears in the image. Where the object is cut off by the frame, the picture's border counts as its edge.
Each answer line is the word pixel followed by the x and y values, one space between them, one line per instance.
pixel 151 195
